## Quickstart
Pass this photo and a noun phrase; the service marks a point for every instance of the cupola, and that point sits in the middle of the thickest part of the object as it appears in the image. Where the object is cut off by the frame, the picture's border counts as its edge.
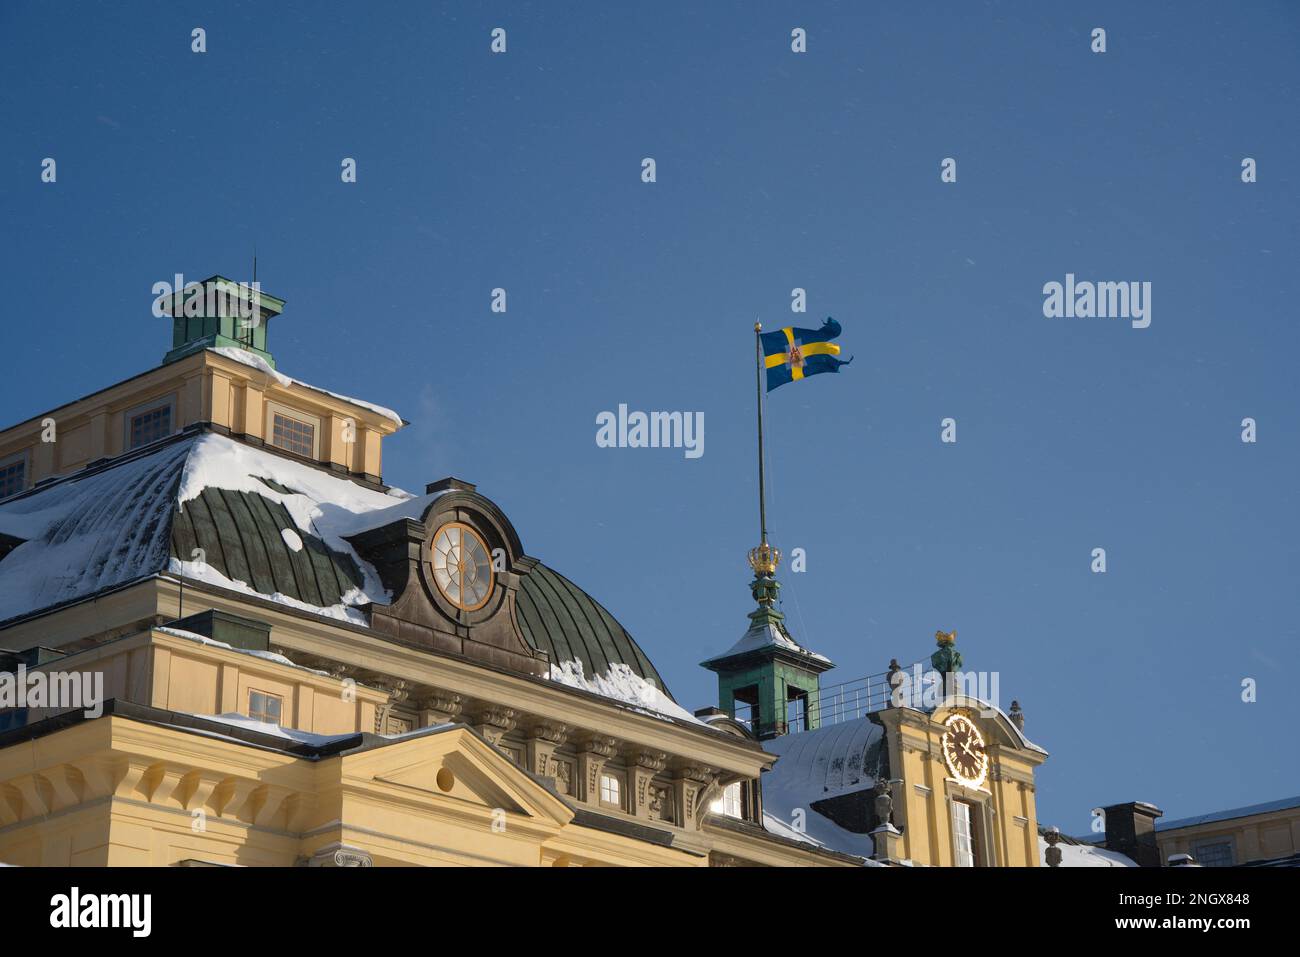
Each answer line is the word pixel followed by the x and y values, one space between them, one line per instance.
pixel 218 312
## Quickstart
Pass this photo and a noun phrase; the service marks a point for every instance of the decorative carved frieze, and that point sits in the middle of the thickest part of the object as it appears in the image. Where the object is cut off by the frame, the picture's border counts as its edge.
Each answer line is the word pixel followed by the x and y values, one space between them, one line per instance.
pixel 442 706
pixel 661 802
pixel 397 692
pixel 652 761
pixel 564 776
pixel 598 744
pixel 493 721
pixel 340 855
pixel 699 773
pixel 551 732
pixel 643 764
pixel 546 737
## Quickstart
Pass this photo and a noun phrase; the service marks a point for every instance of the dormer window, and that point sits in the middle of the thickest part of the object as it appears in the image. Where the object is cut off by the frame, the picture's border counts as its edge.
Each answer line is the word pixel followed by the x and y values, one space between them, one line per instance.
pixel 293 431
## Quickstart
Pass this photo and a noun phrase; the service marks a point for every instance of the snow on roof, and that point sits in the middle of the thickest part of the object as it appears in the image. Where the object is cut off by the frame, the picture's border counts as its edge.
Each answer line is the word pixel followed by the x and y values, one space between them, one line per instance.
pixel 1281 804
pixel 111 526
pixel 274 730
pixel 87 534
pixel 254 652
pixel 247 358
pixel 763 635
pixel 320 504
pixel 1084 855
pixel 623 685
pixel 816 765
pixel 825 762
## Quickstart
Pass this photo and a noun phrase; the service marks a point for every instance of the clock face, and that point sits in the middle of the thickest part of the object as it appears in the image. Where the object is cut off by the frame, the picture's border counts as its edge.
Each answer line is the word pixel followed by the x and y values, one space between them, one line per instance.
pixel 963 751
pixel 462 566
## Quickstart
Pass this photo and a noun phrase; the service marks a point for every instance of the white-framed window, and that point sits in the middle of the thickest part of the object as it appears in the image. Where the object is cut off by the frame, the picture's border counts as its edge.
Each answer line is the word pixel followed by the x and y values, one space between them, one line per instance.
pixel 149 422
pixel 963 835
pixel 265 707
pixel 729 802
pixel 1214 853
pixel 13 474
pixel 611 790
pixel 293 431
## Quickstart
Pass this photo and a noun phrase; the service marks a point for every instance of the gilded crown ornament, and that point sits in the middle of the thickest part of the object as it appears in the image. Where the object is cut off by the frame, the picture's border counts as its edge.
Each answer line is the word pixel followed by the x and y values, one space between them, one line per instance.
pixel 764 560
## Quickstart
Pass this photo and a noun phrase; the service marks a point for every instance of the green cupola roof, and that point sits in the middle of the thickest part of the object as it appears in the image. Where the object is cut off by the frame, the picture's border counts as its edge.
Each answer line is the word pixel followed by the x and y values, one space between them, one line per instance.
pixel 767 669
pixel 219 312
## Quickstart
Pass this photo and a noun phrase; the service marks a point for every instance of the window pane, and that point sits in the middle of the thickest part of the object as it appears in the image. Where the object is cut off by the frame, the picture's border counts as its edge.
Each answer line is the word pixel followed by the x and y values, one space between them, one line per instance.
pixel 12 478
pixel 961 835
pixel 150 426
pixel 264 707
pixel 293 436
pixel 728 803
pixel 1216 854
pixel 609 789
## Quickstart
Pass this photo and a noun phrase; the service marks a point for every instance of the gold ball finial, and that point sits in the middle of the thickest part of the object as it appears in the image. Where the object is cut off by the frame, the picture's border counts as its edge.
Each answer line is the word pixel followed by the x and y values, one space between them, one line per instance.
pixel 758 327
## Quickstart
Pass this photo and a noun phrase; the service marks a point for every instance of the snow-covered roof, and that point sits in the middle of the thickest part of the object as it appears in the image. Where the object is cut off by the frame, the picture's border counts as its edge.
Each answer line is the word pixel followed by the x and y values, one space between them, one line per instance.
pixel 244 357
pixel 766 634
pixel 251 652
pixel 1282 804
pixel 114 525
pixel 90 533
pixel 825 762
pixel 273 528
pixel 1083 855
pixel 817 765
pixel 623 685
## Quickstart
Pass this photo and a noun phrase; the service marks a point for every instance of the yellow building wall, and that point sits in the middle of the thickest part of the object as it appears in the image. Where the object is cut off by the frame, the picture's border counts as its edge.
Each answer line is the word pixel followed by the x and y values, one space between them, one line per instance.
pixel 204 387
pixel 1004 806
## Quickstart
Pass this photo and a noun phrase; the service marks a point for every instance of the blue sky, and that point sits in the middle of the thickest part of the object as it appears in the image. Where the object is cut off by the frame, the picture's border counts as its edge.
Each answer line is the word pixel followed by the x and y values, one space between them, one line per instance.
pixel 774 171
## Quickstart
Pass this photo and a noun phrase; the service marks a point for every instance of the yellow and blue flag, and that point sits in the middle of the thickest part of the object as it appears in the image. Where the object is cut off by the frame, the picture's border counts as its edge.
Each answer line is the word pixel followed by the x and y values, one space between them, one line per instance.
pixel 793 353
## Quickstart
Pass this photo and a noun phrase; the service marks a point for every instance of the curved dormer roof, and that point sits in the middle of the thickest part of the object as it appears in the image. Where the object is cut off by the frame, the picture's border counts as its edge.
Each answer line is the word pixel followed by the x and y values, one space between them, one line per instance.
pixel 561 619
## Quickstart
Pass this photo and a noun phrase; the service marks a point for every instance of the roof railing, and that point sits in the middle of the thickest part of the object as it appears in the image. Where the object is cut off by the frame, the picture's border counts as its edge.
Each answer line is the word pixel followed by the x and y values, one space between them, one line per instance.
pixel 833 704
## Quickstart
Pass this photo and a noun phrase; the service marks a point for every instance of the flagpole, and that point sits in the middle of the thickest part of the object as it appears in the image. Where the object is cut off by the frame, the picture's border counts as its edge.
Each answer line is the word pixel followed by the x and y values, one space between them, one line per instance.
pixel 758 388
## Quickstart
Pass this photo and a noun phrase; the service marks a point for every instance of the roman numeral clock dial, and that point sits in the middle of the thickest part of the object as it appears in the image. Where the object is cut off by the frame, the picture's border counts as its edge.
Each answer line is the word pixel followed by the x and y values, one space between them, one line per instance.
pixel 963 751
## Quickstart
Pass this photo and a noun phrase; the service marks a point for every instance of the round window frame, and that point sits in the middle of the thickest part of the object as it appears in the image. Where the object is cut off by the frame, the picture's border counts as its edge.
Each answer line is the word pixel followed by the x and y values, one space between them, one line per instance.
pixel 466 529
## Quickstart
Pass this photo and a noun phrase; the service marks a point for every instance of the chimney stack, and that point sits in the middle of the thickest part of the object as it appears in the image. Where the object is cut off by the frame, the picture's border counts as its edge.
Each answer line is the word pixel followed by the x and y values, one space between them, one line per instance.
pixel 1131 831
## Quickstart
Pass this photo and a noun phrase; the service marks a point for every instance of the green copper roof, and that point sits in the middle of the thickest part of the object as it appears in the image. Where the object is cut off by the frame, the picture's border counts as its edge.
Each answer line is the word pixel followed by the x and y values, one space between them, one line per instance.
pixel 242 537
pixel 558 617
pixel 126 519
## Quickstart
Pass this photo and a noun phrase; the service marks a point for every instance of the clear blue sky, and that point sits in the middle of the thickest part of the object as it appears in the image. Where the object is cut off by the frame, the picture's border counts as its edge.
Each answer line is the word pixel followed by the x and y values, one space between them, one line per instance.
pixel 775 170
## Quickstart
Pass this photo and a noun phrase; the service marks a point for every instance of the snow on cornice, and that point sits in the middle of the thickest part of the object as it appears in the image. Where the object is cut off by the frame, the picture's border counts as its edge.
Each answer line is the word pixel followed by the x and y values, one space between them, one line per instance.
pixel 623 685
pixel 243 356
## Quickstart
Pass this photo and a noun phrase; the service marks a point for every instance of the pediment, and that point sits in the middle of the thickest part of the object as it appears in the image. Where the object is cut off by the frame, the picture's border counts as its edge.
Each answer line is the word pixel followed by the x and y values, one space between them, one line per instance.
pixel 457 765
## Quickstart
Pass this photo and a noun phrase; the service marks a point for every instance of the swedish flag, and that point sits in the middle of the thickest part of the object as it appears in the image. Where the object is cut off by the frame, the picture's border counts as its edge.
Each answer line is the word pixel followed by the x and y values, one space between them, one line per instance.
pixel 793 353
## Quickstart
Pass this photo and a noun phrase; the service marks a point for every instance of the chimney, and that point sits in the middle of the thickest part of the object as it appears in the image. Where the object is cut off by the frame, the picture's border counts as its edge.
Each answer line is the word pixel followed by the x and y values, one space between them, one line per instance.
pixel 1131 831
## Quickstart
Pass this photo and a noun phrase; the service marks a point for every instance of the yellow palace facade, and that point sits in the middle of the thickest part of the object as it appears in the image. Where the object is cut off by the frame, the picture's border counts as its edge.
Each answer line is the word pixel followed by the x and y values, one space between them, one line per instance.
pixel 225 641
